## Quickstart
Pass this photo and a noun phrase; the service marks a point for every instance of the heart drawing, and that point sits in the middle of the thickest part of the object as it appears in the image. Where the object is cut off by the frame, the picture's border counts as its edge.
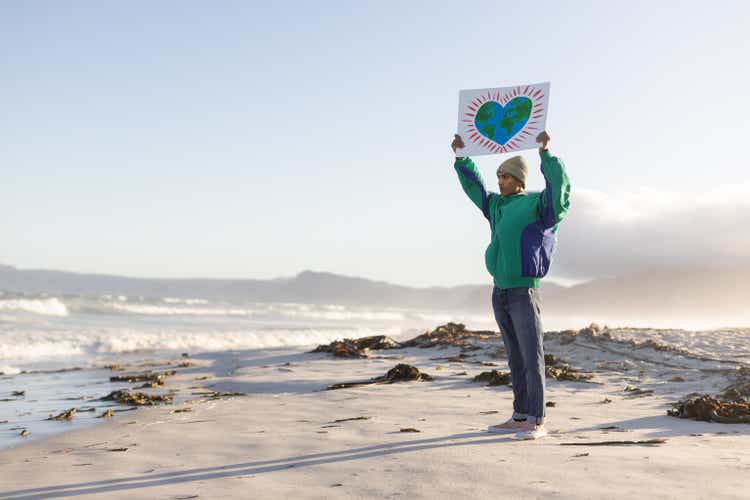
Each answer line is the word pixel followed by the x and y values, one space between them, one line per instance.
pixel 500 123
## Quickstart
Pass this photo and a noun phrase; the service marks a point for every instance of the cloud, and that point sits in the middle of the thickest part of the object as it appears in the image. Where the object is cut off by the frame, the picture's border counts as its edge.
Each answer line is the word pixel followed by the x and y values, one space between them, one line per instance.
pixel 616 234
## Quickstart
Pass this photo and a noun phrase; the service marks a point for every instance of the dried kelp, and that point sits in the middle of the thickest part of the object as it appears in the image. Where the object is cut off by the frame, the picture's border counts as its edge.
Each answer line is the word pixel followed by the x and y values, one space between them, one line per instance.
pixel 125 397
pixel 637 392
pixel 450 334
pixel 348 419
pixel 66 415
pixel 710 409
pixel 493 378
pixel 400 373
pixel 557 369
pixel 154 378
pixel 357 348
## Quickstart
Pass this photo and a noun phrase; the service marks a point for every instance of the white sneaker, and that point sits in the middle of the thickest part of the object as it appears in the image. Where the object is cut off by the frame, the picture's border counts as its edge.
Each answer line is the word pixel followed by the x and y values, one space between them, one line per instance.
pixel 532 431
pixel 507 427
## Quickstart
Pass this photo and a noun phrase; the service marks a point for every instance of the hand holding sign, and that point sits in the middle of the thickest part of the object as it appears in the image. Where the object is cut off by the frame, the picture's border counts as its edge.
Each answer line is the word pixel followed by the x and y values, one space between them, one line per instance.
pixel 457 143
pixel 543 140
pixel 502 120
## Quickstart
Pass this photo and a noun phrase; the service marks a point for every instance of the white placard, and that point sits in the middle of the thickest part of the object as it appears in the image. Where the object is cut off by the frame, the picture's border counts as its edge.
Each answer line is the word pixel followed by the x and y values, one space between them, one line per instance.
pixel 501 120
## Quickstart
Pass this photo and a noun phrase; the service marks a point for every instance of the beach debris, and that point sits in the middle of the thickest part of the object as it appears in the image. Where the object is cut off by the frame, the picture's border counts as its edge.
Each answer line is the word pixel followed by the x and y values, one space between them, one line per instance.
pixel 645 442
pixel 399 373
pixel 348 419
pixel 185 355
pixel 24 433
pixel 677 379
pixel 550 404
pixel 66 415
pixel 710 409
pixel 357 348
pixel 218 395
pixel 107 414
pixel 581 455
pixel 491 412
pixel 152 379
pixel 114 367
pixel 636 392
pixel 458 358
pixel 613 428
pixel 588 333
pixel 182 410
pixel 186 497
pixel 125 397
pixel 605 401
pixel 18 393
pixel 409 429
pixel 204 377
pixel 567 373
pixel 493 378
pixel 3 421
pixel 557 369
pixel 185 364
pixel 58 370
pixel 450 334
pixel 117 449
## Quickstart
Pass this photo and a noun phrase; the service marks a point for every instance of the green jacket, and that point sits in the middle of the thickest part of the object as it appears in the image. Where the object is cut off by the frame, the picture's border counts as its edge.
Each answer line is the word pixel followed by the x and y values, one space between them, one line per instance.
pixel 524 225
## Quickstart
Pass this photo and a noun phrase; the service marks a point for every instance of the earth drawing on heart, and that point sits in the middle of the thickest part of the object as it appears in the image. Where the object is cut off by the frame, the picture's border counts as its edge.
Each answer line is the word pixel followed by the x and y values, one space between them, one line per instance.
pixel 500 123
pixel 504 119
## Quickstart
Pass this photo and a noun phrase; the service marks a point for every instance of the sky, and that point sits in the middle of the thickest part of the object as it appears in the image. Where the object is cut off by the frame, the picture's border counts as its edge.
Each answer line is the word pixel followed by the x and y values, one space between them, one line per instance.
pixel 259 139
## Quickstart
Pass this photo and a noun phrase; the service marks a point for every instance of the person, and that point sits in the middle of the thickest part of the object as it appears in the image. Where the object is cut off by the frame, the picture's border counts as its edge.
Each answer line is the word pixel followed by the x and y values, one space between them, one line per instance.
pixel 523 229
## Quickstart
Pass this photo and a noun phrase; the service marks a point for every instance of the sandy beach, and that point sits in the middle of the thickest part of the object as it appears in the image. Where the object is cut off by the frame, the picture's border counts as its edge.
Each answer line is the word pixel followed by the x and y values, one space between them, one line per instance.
pixel 260 424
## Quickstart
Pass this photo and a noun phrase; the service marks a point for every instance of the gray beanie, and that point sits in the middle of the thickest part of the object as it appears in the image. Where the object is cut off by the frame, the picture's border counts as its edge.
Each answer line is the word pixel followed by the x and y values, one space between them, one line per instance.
pixel 516 167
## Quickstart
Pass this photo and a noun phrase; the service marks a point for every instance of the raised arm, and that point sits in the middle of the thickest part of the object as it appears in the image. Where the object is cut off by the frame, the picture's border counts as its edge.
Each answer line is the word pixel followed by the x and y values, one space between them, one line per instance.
pixel 471 179
pixel 555 199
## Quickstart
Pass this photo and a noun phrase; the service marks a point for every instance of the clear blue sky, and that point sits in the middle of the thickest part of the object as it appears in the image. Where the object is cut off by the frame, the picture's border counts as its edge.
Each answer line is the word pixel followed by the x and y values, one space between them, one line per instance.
pixel 258 139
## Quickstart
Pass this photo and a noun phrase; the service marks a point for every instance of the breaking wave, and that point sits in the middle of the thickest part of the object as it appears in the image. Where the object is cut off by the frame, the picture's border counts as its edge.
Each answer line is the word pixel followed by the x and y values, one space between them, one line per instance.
pixel 43 306
pixel 35 346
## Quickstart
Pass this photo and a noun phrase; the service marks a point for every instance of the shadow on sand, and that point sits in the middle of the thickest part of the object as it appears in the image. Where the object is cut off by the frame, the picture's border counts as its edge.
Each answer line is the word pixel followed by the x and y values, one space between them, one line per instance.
pixel 254 468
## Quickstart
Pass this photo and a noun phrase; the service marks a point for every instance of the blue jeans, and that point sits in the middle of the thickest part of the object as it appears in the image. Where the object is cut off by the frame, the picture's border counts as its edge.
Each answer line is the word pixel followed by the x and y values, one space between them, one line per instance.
pixel 517 312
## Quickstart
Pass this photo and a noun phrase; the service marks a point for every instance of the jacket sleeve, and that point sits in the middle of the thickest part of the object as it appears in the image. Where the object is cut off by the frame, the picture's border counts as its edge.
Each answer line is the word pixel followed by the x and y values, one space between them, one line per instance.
pixel 473 185
pixel 555 199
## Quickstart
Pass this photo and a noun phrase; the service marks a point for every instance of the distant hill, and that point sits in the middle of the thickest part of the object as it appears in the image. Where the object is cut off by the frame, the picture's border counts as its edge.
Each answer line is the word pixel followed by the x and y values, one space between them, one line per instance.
pixel 306 287
pixel 666 293
pixel 676 293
